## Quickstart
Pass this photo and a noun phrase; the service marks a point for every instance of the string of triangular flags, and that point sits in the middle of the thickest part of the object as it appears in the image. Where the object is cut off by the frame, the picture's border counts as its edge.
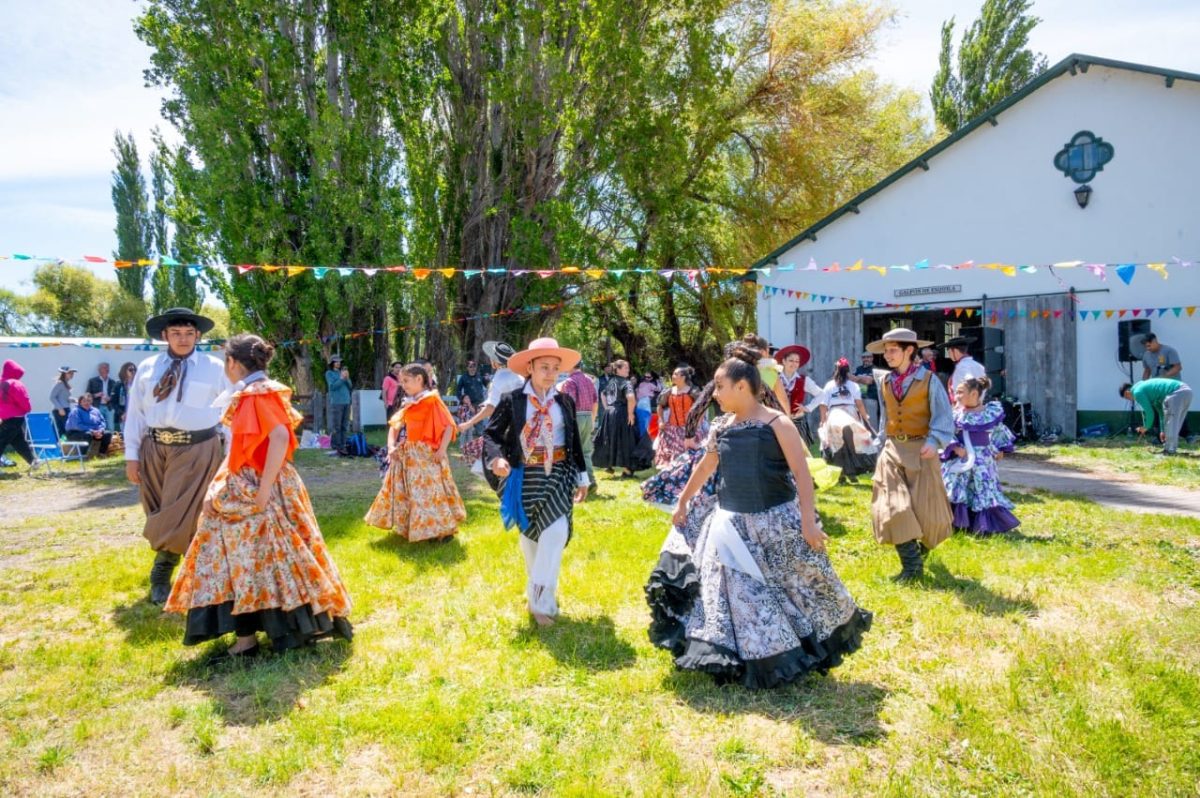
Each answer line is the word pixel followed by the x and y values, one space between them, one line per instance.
pixel 1179 311
pixel 1124 271
pixel 207 346
pixel 521 311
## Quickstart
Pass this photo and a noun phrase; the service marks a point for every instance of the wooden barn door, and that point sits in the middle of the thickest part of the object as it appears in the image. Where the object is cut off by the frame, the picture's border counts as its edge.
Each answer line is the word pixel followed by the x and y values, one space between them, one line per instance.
pixel 829 334
pixel 1039 354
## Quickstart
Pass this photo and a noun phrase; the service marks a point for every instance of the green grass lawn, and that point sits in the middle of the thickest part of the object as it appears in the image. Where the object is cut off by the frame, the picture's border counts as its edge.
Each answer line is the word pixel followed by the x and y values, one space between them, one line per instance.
pixel 1062 661
pixel 1125 456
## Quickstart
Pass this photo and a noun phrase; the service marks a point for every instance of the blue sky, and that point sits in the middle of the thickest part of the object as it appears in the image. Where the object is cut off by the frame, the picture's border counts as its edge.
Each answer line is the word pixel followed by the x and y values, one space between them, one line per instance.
pixel 71 74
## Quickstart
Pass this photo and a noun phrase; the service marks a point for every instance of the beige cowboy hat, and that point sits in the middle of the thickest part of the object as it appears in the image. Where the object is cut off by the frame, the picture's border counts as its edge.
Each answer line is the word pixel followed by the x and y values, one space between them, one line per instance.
pixel 899 335
pixel 543 347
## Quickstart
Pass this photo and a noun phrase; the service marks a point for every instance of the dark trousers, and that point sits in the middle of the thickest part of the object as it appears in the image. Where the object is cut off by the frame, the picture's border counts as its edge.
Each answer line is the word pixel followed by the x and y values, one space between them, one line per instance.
pixel 60 423
pixel 339 425
pixel 95 445
pixel 12 433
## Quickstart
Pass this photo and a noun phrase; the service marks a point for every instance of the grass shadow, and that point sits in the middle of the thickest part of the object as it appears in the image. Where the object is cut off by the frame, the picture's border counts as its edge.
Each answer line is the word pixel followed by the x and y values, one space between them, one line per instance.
pixel 424 554
pixel 146 624
pixel 836 712
pixel 974 594
pixel 1017 536
pixel 264 689
pixel 588 643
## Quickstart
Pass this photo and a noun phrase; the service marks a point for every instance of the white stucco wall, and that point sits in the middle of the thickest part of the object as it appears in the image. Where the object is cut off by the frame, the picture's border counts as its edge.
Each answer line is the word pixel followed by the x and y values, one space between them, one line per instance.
pixel 995 196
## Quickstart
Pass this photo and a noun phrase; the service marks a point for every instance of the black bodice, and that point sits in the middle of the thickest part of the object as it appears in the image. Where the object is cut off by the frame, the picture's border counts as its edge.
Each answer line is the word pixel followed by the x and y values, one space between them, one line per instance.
pixel 754 474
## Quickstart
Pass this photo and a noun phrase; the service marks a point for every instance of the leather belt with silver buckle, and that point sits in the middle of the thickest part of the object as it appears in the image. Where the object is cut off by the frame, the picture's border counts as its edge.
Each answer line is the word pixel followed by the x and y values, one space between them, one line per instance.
pixel 538 456
pixel 181 437
pixel 903 438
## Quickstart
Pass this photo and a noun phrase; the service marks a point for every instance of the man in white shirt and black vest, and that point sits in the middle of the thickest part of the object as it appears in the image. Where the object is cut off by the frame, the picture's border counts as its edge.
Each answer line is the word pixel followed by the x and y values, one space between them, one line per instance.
pixel 172 445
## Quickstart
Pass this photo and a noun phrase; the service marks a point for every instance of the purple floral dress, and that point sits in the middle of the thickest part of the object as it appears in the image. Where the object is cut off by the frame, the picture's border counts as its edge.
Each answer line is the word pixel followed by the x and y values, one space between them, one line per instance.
pixel 979 505
pixel 664 487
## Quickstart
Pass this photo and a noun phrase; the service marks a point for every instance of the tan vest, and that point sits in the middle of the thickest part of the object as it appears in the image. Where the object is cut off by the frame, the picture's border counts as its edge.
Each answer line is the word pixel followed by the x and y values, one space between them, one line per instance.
pixel 908 417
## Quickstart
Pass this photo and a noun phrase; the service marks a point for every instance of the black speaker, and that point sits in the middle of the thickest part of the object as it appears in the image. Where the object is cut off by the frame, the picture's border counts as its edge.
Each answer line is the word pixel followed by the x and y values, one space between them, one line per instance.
pixel 988 347
pixel 1129 346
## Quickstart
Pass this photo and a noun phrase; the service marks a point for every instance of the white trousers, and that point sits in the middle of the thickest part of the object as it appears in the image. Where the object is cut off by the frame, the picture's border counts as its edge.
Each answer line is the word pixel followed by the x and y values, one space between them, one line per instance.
pixel 543 560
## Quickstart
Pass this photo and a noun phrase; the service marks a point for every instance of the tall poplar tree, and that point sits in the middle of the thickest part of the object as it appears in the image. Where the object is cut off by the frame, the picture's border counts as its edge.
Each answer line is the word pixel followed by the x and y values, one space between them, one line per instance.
pixel 134 235
pixel 994 61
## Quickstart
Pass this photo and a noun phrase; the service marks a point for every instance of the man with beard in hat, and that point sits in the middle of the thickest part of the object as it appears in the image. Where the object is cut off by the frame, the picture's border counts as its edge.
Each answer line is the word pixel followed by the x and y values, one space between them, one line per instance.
pixel 964 365
pixel 909 508
pixel 172 448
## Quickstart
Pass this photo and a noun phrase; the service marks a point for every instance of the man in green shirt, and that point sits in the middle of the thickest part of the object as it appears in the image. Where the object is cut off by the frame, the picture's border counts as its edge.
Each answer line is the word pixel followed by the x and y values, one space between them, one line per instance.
pixel 1169 398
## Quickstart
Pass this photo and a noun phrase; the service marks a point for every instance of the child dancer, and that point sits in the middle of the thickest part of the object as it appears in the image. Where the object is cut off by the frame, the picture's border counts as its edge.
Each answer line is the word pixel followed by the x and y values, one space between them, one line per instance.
pixel 969 469
pixel 418 498
pixel 532 444
pixel 673 407
pixel 744 589
pixel 258 561
pixel 845 436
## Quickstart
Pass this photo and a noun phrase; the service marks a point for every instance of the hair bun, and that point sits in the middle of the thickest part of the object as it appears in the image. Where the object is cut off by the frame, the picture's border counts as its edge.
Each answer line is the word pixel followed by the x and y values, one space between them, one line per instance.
pixel 743 352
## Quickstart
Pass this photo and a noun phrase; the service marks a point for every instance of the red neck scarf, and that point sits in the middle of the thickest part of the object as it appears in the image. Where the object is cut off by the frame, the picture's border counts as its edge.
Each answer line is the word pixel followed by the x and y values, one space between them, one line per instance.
pixel 898 379
pixel 539 430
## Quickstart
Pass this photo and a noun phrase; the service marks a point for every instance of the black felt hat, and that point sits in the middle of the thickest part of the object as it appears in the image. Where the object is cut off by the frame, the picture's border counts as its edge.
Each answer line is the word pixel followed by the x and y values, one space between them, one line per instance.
pixel 959 342
pixel 172 316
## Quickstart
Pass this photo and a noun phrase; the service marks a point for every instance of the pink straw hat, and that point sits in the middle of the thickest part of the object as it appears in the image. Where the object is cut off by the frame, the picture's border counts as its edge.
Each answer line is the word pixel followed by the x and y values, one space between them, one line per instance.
pixel 543 347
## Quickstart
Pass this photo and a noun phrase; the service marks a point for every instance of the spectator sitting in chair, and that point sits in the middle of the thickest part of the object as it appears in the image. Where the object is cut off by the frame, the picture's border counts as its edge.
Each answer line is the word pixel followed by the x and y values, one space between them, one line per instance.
pixel 85 423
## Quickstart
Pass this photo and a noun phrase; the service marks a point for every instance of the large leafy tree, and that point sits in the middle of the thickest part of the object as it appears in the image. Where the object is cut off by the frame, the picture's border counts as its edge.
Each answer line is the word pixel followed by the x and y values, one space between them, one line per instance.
pixel 73 301
pixel 994 60
pixel 475 134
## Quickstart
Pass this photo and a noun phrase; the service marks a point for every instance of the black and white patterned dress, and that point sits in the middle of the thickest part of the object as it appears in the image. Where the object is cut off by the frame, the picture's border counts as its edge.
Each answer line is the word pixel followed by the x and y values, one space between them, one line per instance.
pixel 761 629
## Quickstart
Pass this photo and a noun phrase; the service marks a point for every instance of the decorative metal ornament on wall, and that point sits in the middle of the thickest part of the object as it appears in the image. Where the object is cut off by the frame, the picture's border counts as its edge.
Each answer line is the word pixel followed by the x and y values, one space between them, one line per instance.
pixel 1083 156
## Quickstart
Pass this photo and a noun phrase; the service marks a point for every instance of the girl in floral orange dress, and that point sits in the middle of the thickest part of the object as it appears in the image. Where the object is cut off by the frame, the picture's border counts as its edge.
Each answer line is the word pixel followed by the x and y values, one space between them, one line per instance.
pixel 419 499
pixel 258 561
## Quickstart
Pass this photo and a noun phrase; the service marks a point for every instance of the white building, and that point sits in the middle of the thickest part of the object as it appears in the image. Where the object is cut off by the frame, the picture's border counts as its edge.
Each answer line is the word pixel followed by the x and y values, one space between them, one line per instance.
pixel 1002 192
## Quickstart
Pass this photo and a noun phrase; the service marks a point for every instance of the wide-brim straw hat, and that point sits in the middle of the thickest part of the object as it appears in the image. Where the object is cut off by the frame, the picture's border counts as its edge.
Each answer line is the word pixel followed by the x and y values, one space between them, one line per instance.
pixel 794 349
pixel 543 347
pixel 900 335
pixel 155 325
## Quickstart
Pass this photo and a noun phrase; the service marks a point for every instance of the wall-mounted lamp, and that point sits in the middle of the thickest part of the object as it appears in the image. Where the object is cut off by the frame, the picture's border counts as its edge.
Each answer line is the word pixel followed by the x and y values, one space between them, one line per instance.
pixel 1083 194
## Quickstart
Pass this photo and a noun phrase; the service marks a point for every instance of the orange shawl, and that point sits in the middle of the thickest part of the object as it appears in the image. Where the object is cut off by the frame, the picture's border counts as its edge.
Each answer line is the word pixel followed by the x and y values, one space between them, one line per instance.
pixel 426 420
pixel 256 410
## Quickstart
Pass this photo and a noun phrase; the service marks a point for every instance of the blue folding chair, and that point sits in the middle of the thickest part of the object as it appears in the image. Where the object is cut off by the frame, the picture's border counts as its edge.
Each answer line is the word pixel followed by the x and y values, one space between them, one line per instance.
pixel 47 448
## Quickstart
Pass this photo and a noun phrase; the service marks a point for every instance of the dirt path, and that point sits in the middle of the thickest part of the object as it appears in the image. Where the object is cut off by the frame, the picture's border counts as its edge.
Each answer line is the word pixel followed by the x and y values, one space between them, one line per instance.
pixel 1119 491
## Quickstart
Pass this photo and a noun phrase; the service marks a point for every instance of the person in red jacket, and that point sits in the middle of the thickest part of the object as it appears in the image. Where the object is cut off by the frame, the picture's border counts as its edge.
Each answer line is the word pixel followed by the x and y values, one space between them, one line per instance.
pixel 14 406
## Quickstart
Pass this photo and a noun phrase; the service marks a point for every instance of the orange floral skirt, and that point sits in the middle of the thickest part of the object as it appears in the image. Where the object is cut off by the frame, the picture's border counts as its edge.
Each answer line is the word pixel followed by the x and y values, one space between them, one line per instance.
pixel 418 499
pixel 272 565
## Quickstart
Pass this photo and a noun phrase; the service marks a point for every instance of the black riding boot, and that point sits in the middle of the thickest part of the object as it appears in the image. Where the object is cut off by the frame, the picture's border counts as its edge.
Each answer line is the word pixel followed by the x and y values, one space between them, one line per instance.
pixel 160 576
pixel 911 562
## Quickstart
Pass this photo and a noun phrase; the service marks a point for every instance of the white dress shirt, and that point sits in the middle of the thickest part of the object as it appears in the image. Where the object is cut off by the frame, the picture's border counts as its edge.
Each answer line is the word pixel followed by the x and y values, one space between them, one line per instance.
pixel 964 368
pixel 833 397
pixel 203 384
pixel 503 381
pixel 556 420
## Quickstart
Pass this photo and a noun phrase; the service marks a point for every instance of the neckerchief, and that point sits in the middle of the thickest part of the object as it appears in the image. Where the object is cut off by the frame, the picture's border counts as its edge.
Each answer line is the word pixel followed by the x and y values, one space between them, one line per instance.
pixel 788 382
pixel 898 380
pixel 175 374
pixel 539 431
pixel 225 399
